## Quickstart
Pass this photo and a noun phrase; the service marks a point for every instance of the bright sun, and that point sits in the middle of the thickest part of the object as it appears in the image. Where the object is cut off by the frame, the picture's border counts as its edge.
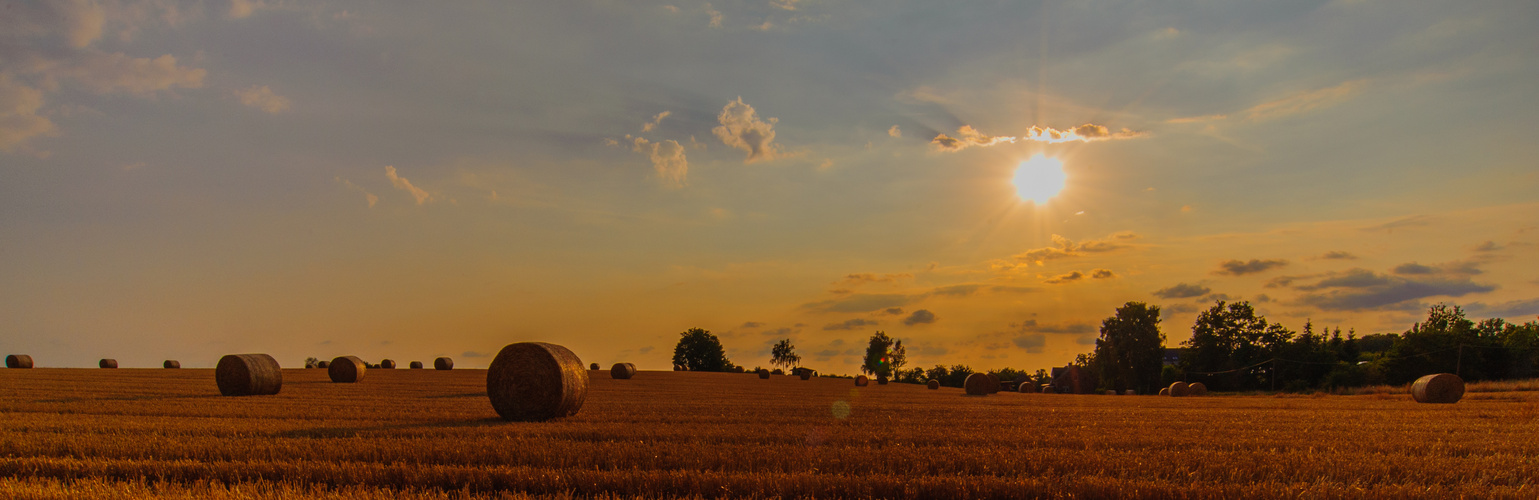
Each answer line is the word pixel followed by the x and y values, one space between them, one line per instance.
pixel 1039 179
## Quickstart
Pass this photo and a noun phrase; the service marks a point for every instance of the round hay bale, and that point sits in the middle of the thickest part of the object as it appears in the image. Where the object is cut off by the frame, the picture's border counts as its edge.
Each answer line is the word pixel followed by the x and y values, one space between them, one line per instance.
pixel 171 364
pixel 18 361
pixel 443 364
pixel 415 365
pixel 993 383
pixel 1178 389
pixel 933 384
pixel 1441 388
pixel 323 364
pixel 248 375
pixel 806 374
pixel 387 364
pixel 764 374
pixel 593 366
pixel 107 363
pixel 622 371
pixel 880 380
pixel 1130 392
pixel 347 369
pixel 1026 387
pixel 1164 391
pixel 1111 392
pixel 978 384
pixel 1196 389
pixel 862 381
pixel 1047 388
pixel 531 381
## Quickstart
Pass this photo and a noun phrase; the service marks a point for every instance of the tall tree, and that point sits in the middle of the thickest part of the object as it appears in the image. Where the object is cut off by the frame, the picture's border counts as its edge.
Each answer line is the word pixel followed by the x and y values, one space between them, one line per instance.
pixel 699 350
pixel 877 361
pixel 1131 349
pixel 784 354
pixel 1229 337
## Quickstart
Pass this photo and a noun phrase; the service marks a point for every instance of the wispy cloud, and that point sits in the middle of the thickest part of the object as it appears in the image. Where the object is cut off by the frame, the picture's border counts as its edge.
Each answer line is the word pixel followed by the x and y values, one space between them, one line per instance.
pixel 1064 247
pixel 667 158
pixel 852 324
pixel 1360 289
pixel 1305 101
pixel 372 199
pixel 263 98
pixel 967 136
pixel 1253 266
pixel 405 185
pixel 656 120
pixel 1182 291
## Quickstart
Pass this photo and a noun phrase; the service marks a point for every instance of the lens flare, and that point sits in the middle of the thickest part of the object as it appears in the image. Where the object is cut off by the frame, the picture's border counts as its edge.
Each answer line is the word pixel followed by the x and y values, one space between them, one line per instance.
pixel 1039 179
pixel 841 409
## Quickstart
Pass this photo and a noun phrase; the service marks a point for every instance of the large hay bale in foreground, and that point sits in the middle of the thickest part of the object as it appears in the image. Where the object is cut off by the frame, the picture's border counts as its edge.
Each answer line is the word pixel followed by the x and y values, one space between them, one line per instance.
pixel 622 371
pixel 1441 388
pixel 347 369
pixel 978 384
pixel 107 363
pixel 531 381
pixel 387 364
pixel 443 364
pixel 18 361
pixel 171 364
pixel 1196 389
pixel 593 366
pixel 248 375
pixel 1178 389
pixel 764 374
pixel 415 365
pixel 862 381
pixel 933 384
pixel 1164 391
pixel 993 383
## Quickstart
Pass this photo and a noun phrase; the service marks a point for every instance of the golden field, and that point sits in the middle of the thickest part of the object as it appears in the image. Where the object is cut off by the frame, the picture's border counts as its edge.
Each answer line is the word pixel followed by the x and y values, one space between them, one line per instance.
pixel 136 433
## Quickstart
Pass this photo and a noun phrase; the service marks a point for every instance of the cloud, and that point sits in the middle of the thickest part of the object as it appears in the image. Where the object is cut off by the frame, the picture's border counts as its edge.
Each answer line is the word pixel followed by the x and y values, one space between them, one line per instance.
pixel 243 8
pixel 1033 343
pixel 1305 101
pixel 656 120
pixel 1174 309
pixel 366 194
pixel 1102 274
pixel 263 98
pixel 1065 278
pixel 856 279
pixel 714 14
pixel 667 159
pixel 1241 268
pixel 1032 326
pixel 751 324
pixel 1509 309
pixel 1361 289
pixel 474 354
pixel 77 23
pixel 920 317
pixel 861 302
pixel 1488 246
pixel 962 290
pixel 1391 226
pixel 1338 255
pixel 402 184
pixel 105 73
pixel 894 132
pixel 893 311
pixel 852 324
pixel 1182 291
pixel 967 136
pixel 19 121
pixel 741 128
pixel 1064 247
pixel 1414 268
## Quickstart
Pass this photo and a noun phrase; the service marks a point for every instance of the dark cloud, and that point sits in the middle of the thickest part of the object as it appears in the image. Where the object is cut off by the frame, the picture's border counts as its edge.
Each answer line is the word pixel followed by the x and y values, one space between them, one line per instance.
pixel 851 324
pixel 778 332
pixel 1488 246
pixel 956 290
pixel 1064 247
pixel 1414 268
pixel 1174 309
pixel 1065 278
pixel 1516 311
pixel 1182 291
pixel 862 278
pixel 1102 274
pixel 1352 278
pixel 1253 266
pixel 1033 343
pixel 1263 298
pixel 861 302
pixel 1362 292
pixel 893 311
pixel 1068 328
pixel 1391 226
pixel 1338 255
pixel 1011 289
pixel 751 324
pixel 920 317
pixel 645 350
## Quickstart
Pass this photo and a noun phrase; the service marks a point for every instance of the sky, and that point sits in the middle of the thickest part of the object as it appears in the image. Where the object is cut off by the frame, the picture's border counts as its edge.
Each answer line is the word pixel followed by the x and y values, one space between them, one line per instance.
pixel 408 180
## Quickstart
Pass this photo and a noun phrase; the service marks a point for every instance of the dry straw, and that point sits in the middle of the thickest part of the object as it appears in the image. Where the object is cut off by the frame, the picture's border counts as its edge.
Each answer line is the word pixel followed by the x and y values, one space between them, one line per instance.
pixel 1442 388
pixel 531 381
pixel 248 375
pixel 347 369
pixel 1196 389
pixel 763 373
pixel 862 381
pixel 387 364
pixel 978 384
pixel 443 364
pixel 107 363
pixel 1178 389
pixel 171 364
pixel 622 371
pixel 18 361
pixel 415 365
pixel 933 384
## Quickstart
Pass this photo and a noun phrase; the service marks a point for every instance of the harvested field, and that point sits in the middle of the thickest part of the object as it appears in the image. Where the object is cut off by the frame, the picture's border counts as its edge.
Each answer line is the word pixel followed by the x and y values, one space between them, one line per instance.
pixel 81 433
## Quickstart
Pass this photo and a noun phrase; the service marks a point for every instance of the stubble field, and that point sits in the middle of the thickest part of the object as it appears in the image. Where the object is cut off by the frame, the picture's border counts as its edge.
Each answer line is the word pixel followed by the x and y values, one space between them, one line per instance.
pixel 136 433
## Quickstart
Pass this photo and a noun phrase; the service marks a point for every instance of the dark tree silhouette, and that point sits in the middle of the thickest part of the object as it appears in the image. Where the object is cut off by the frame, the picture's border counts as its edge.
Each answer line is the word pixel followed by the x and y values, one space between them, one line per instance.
pixel 784 354
pixel 1131 349
pixel 700 351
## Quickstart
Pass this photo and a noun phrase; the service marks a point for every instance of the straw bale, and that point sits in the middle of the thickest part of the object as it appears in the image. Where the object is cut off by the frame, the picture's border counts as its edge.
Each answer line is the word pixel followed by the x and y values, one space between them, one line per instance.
pixel 347 369
pixel 980 384
pixel 415 365
pixel 933 384
pixel 171 364
pixel 248 375
pixel 443 364
pixel 107 363
pixel 763 373
pixel 387 364
pixel 622 371
pixel 1441 388
pixel 862 381
pixel 18 361
pixel 1196 389
pixel 1179 389
pixel 532 381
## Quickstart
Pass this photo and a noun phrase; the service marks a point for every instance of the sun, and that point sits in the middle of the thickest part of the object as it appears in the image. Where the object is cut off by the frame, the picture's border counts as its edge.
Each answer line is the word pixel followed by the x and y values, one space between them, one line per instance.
pixel 1039 179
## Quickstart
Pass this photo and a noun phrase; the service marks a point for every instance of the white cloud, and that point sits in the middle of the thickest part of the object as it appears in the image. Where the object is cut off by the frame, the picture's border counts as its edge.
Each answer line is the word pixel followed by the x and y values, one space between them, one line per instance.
pixel 263 98
pixel 715 15
pixel 894 132
pixel 741 128
pixel 667 159
pixel 402 184
pixel 656 120
pixel 19 120
pixel 967 136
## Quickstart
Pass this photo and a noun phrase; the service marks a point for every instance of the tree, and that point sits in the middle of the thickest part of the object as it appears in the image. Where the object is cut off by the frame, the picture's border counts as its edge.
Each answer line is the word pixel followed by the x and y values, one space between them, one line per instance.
pixel 784 354
pixel 878 362
pixel 700 351
pixel 1131 350
pixel 897 357
pixel 1229 338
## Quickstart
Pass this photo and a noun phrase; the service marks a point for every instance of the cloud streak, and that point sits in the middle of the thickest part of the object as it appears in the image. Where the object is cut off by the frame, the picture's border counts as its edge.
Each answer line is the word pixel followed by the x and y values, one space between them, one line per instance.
pixel 967 136
pixel 263 98
pixel 1253 266
pixel 405 185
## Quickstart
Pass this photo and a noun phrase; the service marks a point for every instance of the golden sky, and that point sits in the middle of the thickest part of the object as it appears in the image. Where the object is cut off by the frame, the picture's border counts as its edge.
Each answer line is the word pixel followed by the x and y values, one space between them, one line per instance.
pixel 410 180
